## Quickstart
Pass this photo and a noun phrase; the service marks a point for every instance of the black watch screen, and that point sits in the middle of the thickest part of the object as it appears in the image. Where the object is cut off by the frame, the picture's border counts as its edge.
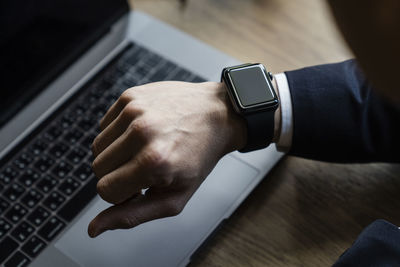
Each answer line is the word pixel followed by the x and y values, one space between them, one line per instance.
pixel 250 87
pixel 251 77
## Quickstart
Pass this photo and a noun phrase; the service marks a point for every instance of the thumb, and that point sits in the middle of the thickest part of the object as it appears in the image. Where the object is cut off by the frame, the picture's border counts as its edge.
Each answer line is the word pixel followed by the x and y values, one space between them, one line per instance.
pixel 135 211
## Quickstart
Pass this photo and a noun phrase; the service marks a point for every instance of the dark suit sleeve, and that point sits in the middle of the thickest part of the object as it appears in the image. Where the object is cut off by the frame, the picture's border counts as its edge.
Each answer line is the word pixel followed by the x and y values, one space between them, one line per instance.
pixel 338 117
pixel 377 245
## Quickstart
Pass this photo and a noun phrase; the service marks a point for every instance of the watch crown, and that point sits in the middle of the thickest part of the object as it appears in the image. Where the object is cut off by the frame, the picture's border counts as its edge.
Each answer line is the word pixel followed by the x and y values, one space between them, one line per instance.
pixel 270 75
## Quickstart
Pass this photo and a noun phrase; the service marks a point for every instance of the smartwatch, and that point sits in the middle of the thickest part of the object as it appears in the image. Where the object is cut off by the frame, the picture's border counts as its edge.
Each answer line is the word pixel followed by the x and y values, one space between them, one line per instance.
pixel 253 97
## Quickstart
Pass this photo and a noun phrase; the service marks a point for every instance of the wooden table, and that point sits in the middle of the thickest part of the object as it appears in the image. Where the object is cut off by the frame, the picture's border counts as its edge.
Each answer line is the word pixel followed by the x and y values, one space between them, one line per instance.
pixel 304 212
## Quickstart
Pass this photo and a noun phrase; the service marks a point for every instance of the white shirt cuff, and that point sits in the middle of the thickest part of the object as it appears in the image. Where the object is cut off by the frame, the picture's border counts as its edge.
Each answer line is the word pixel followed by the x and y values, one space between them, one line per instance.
pixel 285 137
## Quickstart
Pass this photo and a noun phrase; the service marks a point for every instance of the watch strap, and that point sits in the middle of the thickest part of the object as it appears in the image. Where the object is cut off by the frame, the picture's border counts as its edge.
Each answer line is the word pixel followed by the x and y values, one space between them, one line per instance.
pixel 260 130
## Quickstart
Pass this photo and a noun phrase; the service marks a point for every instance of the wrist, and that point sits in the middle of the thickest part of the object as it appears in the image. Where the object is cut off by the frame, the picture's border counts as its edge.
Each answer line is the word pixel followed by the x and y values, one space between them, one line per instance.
pixel 235 130
pixel 236 134
pixel 277 115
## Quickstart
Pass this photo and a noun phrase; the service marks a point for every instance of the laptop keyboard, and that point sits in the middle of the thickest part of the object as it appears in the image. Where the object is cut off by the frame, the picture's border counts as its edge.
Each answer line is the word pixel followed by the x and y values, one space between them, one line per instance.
pixel 47 182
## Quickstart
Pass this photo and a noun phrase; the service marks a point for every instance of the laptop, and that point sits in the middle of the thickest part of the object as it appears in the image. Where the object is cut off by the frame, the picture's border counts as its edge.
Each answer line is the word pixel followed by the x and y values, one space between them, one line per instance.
pixel 63 63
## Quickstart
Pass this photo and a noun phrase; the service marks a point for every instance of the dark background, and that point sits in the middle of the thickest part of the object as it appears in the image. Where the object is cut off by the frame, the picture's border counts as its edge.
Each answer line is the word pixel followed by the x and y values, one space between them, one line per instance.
pixel 39 39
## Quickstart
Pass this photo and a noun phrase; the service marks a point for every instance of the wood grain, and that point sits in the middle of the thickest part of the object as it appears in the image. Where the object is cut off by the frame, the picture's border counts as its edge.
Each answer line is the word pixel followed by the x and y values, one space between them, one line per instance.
pixel 305 213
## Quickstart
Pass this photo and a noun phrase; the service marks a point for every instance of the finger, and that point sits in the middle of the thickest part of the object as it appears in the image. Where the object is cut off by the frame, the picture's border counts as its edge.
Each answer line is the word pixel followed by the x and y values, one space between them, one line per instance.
pixel 137 211
pixel 148 167
pixel 120 184
pixel 119 152
pixel 114 130
pixel 115 109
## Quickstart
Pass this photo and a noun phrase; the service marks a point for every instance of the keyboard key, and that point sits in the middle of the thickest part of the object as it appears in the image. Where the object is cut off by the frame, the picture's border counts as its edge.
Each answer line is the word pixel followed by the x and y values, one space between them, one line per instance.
pixel 93 98
pixel 76 155
pixel 182 75
pixel 123 66
pixel 29 177
pixel 101 87
pixel 34 246
pixel 69 186
pixel 110 77
pixel 79 201
pixel 136 56
pixel 23 231
pixel 114 75
pixel 3 205
pixel 7 247
pixel 54 201
pixel 197 79
pixel 73 113
pixel 87 122
pixel 61 169
pixel 14 192
pixel 141 71
pixel 23 161
pixel 31 198
pixel 66 121
pixel 99 110
pixel 44 163
pixel 16 213
pixel 83 172
pixel 38 147
pixel 59 149
pixel 46 184
pixel 4 227
pixel 7 175
pixel 52 133
pixel 113 96
pixel 152 61
pixel 88 141
pixel 79 109
pixel 18 259
pixel 38 216
pixel 164 72
pixel 129 81
pixel 73 136
pixel 51 229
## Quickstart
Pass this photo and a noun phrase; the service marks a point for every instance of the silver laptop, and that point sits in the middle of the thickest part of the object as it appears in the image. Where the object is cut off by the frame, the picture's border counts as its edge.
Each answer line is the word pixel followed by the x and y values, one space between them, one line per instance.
pixel 63 63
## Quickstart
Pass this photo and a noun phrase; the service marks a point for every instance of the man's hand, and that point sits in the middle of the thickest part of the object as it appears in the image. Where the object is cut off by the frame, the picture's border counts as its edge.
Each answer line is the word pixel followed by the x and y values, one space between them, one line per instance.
pixel 166 137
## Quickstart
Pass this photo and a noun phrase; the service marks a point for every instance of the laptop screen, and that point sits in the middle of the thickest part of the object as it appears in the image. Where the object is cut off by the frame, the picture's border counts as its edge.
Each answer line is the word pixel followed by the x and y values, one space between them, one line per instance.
pixel 41 38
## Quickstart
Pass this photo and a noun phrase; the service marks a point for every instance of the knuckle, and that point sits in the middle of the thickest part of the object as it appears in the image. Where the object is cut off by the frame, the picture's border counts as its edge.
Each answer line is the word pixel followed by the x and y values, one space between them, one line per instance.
pixel 95 167
pixel 164 180
pixel 129 221
pixel 158 161
pixel 139 128
pixel 130 111
pixel 156 158
pixel 197 173
pixel 95 146
pixel 173 208
pixel 125 97
pixel 103 190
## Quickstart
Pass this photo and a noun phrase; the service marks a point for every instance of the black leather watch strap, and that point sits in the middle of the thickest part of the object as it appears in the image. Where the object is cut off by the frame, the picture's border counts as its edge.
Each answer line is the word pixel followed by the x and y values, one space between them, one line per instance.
pixel 260 130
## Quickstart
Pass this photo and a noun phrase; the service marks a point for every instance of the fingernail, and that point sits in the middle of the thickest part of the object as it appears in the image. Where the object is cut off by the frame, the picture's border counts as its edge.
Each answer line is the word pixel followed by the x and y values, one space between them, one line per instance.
pixel 92 231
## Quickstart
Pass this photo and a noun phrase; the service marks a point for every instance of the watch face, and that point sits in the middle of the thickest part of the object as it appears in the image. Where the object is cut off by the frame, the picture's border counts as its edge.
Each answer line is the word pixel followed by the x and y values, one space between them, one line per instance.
pixel 251 86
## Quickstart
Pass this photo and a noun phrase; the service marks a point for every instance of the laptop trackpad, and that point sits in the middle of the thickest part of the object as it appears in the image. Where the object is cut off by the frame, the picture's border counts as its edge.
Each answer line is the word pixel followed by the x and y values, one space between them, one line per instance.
pixel 164 242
